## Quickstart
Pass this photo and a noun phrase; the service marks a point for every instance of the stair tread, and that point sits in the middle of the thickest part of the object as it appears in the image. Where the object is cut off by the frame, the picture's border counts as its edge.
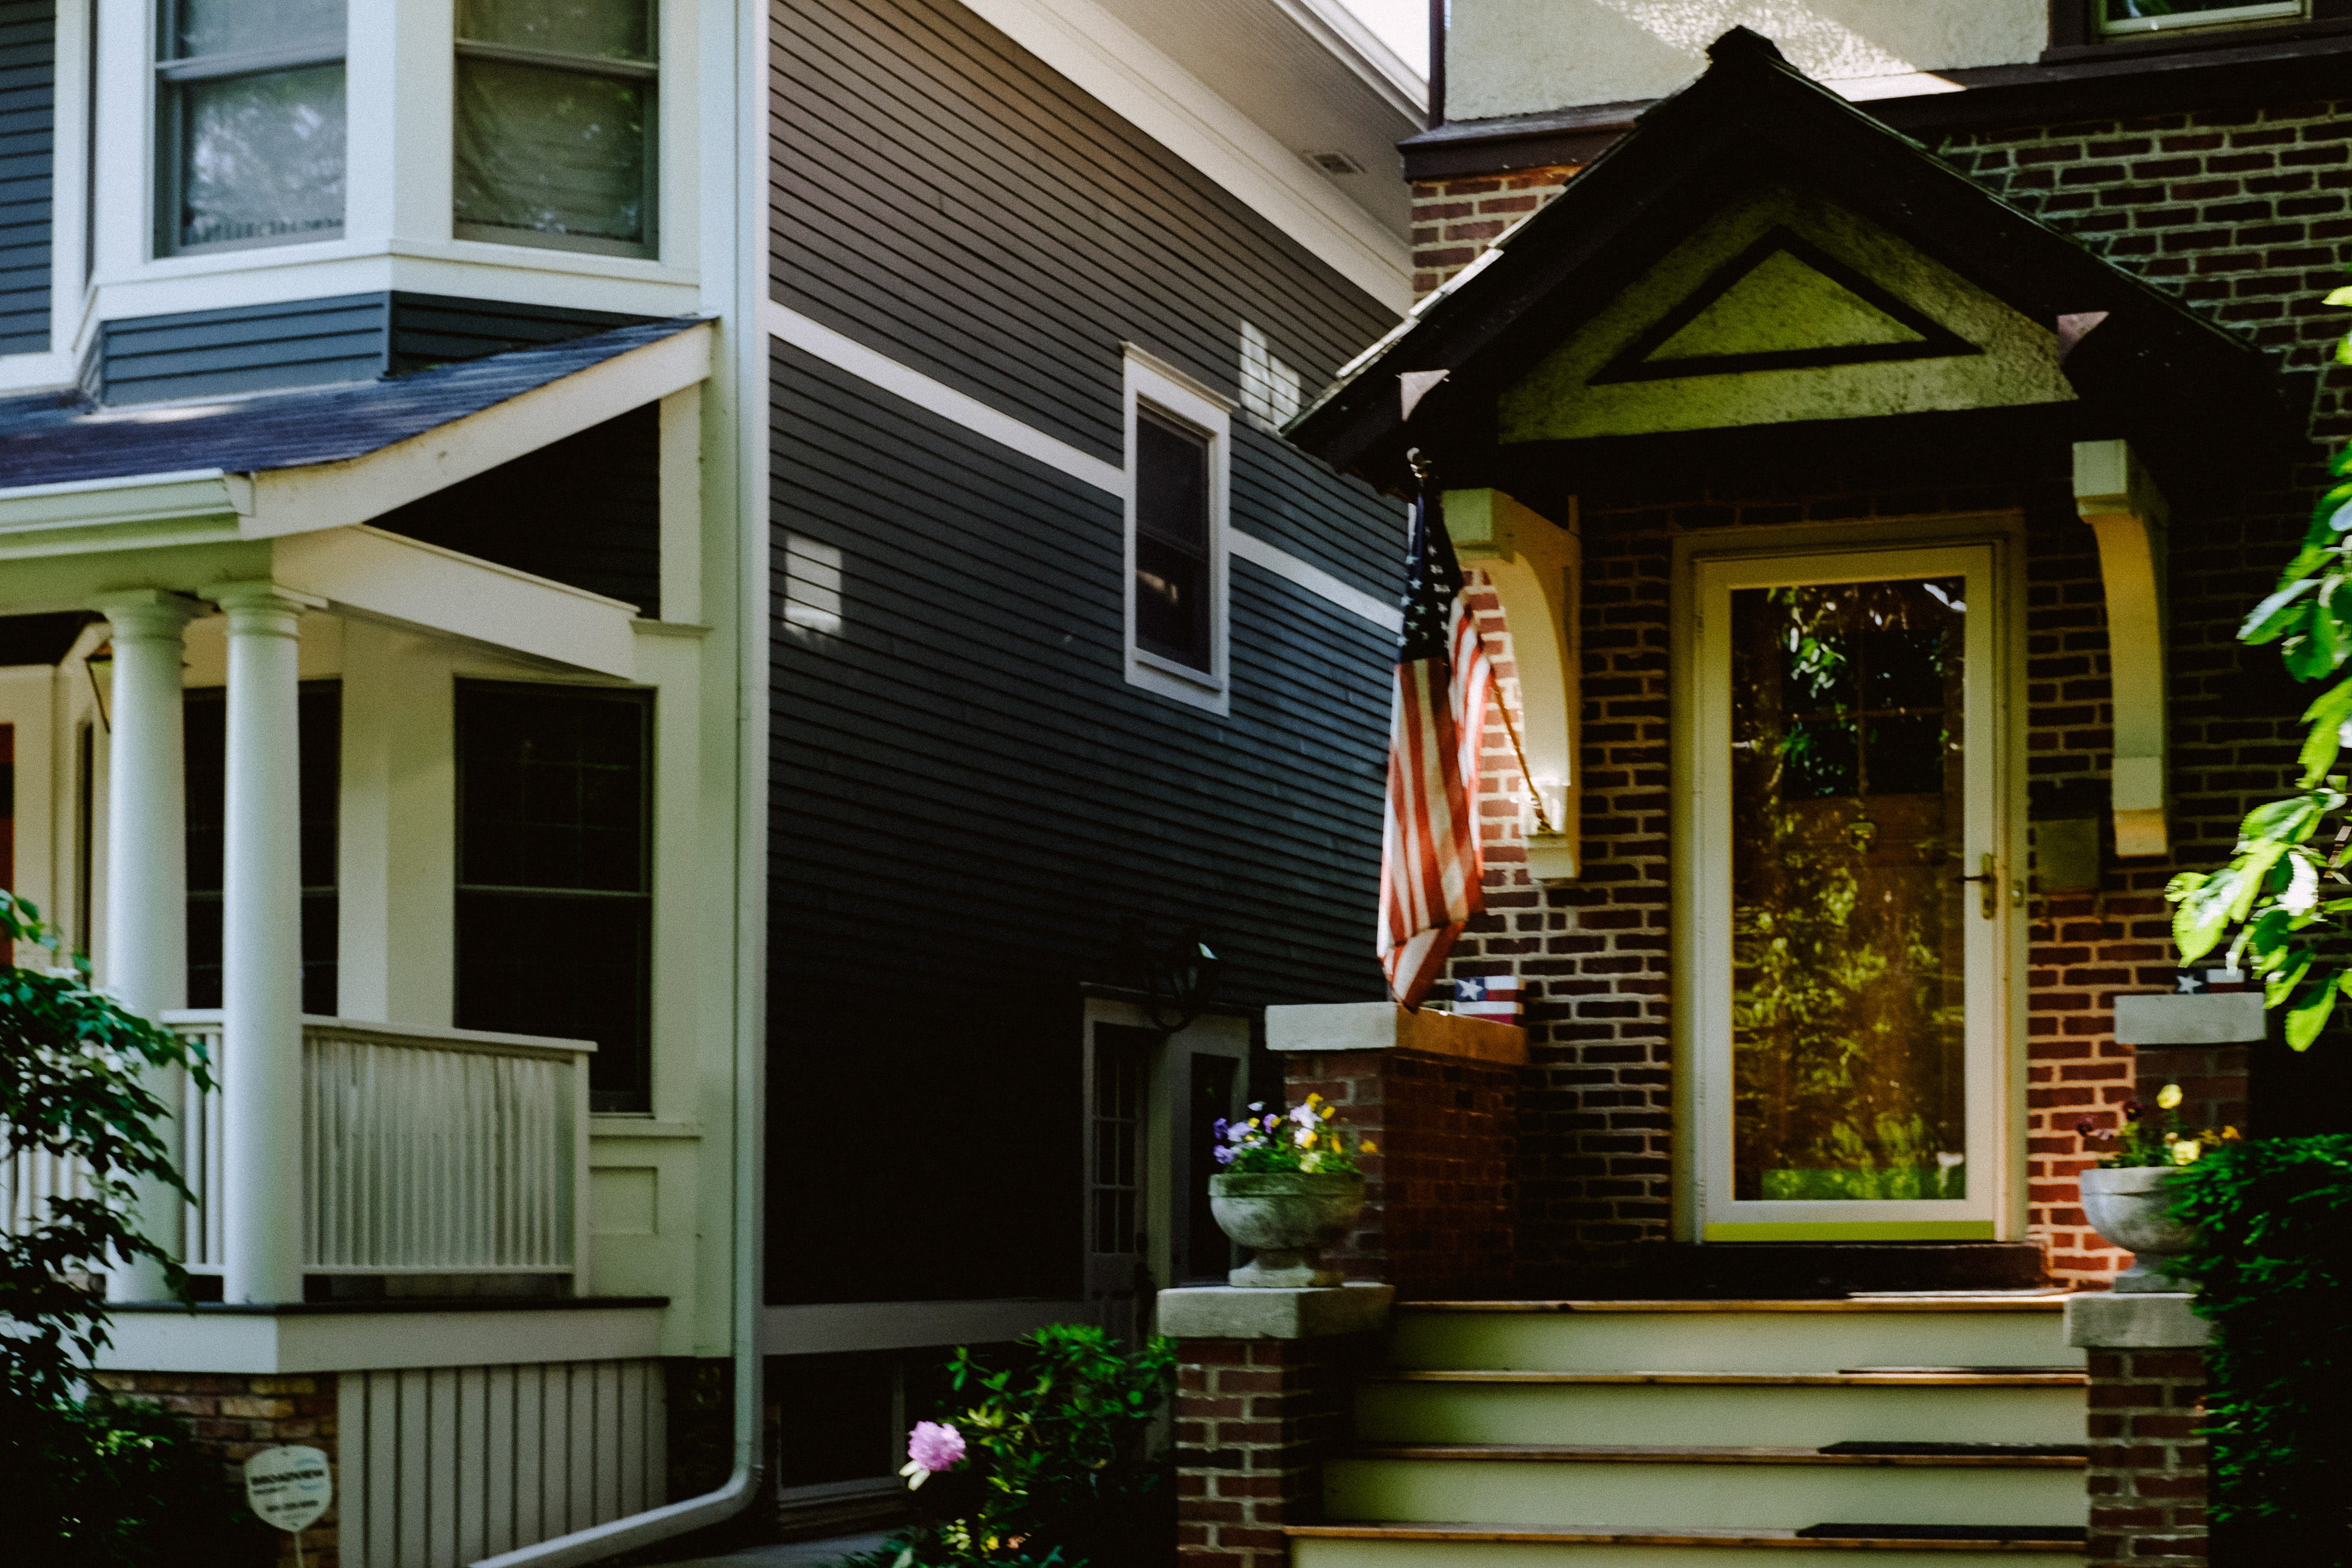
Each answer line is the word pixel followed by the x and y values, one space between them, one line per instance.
pixel 1681 1535
pixel 1925 1377
pixel 1960 1302
pixel 1672 1454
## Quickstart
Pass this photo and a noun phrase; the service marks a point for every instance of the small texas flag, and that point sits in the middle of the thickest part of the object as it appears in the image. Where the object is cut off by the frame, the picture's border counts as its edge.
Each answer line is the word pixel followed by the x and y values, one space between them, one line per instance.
pixel 1493 996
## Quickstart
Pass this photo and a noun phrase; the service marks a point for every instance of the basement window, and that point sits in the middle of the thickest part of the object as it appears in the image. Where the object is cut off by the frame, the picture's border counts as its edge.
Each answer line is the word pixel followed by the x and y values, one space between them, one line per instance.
pixel 2118 18
pixel 555 131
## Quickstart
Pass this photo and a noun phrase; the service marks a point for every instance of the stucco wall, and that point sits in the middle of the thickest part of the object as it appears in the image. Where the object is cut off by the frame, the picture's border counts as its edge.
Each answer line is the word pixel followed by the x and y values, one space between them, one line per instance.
pixel 1517 56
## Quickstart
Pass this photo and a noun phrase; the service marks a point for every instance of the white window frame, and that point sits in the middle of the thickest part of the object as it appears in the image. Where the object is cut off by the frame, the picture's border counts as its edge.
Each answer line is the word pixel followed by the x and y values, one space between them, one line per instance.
pixel 2262 11
pixel 1152 383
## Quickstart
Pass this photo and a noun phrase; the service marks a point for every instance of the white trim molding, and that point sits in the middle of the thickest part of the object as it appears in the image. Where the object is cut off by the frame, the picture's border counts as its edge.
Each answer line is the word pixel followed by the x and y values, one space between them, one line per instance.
pixel 1177 399
pixel 842 352
pixel 1106 58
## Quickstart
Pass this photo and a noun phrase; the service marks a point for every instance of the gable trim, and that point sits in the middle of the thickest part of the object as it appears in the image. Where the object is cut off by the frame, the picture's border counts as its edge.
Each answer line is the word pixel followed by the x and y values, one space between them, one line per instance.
pixel 1634 363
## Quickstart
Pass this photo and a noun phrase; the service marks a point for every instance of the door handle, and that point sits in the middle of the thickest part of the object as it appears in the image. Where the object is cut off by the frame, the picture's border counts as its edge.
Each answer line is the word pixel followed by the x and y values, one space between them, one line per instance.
pixel 1991 880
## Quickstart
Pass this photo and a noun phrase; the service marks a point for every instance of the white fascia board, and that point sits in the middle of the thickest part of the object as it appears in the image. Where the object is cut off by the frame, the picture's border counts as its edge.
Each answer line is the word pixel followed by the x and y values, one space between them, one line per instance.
pixel 1380 613
pixel 367 572
pixel 338 495
pixel 258 1342
pixel 190 507
pixel 1360 48
pixel 1110 60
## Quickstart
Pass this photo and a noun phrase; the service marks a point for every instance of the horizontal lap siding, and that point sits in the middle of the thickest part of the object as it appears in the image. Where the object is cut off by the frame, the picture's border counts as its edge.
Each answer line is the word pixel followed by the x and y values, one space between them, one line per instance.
pixel 28 74
pixel 963 778
pixel 943 198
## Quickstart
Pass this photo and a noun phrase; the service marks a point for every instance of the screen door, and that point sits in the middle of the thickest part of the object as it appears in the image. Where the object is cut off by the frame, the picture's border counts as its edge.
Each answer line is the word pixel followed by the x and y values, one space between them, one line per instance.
pixel 1853 898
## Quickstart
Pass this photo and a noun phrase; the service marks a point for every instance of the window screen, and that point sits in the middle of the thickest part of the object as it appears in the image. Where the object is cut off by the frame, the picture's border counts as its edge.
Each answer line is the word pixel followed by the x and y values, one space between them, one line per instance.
pixel 554 890
pixel 1171 541
pixel 554 132
pixel 249 100
pixel 318 719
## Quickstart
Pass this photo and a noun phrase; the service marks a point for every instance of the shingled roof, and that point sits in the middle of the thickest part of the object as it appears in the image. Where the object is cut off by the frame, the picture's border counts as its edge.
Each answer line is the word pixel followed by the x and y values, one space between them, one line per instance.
pixel 54 440
pixel 2151 369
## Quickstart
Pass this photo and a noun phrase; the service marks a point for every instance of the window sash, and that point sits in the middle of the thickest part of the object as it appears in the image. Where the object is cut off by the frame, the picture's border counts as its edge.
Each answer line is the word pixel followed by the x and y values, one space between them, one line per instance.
pixel 175 72
pixel 2269 10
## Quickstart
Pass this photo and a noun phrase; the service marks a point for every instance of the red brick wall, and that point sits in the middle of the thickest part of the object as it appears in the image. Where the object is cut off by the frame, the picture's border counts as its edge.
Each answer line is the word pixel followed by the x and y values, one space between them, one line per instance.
pixel 2146 1478
pixel 237 1415
pixel 1453 219
pixel 1254 1420
pixel 1440 1203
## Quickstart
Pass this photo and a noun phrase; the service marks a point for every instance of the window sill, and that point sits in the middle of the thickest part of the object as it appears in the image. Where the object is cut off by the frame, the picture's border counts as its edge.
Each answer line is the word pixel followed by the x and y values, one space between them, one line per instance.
pixel 1168 678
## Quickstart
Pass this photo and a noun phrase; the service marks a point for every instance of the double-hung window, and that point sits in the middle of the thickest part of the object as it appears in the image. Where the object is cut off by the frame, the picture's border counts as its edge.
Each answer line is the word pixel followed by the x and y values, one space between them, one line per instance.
pixel 2122 17
pixel 1178 436
pixel 555 131
pixel 555 873
pixel 249 98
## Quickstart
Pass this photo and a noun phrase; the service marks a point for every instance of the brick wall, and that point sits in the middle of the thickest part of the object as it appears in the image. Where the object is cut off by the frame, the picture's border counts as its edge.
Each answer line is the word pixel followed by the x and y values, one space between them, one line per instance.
pixel 237 1415
pixel 1254 1420
pixel 1440 1203
pixel 2146 1478
pixel 1453 219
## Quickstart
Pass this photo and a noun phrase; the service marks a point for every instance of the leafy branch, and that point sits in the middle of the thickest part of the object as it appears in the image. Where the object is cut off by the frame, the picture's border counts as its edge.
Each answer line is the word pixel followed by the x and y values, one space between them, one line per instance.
pixel 2285 891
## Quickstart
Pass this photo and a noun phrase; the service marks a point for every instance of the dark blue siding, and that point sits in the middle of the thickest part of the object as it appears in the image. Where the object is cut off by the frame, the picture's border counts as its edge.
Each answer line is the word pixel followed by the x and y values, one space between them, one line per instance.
pixel 243 348
pixel 28 76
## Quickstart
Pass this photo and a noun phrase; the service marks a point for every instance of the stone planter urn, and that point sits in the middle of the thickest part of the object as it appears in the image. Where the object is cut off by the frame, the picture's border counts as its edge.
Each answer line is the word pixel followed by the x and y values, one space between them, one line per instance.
pixel 1288 1218
pixel 2131 1207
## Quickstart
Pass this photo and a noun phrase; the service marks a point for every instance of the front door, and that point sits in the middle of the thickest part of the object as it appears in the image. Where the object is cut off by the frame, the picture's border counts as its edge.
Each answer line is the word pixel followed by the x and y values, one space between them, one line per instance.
pixel 1851 898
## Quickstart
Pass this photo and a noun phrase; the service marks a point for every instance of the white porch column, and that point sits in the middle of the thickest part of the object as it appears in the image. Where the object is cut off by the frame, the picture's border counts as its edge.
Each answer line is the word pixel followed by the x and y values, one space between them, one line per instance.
pixel 261 952
pixel 147 872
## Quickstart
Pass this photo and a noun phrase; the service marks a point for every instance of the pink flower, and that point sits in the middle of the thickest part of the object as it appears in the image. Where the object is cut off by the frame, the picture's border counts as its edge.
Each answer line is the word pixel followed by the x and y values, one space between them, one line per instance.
pixel 931 1447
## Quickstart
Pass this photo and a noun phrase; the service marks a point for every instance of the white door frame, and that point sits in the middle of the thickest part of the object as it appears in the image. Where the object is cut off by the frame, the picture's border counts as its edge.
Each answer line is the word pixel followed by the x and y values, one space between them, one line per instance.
pixel 1706 569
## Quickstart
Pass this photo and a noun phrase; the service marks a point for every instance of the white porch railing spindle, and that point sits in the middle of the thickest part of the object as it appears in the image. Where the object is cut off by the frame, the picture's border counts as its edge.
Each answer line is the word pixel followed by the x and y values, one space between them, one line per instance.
pixel 424 1151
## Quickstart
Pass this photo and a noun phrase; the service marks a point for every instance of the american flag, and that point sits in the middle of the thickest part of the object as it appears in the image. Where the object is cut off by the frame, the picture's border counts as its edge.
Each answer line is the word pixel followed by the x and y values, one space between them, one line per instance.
pixel 1493 996
pixel 1430 862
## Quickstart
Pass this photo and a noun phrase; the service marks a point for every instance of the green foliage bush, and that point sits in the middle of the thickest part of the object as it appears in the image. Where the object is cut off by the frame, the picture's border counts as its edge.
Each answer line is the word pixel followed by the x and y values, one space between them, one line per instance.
pixel 109 1484
pixel 1059 1469
pixel 2272 1269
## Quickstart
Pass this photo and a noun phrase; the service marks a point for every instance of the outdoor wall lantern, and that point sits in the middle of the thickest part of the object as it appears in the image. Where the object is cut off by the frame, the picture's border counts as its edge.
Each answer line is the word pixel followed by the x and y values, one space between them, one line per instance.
pixel 1179 978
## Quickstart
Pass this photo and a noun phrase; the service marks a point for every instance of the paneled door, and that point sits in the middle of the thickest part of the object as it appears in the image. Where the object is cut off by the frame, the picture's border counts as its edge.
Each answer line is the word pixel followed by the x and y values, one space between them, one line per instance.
pixel 1853 897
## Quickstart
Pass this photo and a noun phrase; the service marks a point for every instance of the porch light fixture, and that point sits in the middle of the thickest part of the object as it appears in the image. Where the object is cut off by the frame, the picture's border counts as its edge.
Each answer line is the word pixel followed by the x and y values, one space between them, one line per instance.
pixel 1179 981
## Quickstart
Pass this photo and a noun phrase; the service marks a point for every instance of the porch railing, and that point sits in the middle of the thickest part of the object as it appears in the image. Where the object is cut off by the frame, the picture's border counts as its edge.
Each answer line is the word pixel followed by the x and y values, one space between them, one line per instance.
pixel 424 1150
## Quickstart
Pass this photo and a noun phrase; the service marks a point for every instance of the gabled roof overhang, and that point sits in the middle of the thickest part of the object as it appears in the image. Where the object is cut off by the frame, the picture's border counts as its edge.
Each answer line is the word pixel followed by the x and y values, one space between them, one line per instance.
pixel 2141 365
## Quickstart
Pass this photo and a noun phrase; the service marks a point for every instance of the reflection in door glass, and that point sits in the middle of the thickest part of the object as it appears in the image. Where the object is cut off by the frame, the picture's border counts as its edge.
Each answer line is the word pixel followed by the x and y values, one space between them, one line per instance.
pixel 1847 922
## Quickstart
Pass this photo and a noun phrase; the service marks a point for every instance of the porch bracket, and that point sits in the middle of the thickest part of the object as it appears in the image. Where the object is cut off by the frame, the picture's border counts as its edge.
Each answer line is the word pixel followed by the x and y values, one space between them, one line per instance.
pixel 1533 563
pixel 2115 493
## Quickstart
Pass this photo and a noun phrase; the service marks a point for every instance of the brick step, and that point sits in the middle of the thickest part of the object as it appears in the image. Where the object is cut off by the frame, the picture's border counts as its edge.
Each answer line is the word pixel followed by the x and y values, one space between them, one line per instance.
pixel 1463 1545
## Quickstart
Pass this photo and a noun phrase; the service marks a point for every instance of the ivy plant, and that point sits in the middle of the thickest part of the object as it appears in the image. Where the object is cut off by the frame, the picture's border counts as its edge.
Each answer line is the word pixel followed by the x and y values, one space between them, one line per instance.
pixel 2284 902
pixel 73 1068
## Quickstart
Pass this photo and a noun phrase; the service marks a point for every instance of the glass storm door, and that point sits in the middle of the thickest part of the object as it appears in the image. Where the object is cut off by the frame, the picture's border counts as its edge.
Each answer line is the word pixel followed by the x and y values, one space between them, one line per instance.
pixel 1852 898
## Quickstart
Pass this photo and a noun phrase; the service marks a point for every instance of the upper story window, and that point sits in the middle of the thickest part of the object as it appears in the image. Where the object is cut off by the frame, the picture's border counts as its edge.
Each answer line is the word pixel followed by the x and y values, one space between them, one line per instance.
pixel 249 98
pixel 1179 435
pixel 2122 17
pixel 555 132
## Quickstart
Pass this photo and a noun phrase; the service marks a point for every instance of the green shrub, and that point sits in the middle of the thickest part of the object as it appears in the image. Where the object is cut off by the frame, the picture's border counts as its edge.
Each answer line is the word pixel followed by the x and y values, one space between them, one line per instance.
pixel 113 1484
pixel 2272 1269
pixel 1059 1471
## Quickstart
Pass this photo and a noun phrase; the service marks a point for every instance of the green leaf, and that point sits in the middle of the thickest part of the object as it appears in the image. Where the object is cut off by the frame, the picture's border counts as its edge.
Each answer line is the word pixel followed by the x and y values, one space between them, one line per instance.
pixel 2291 822
pixel 2309 1014
pixel 2280 613
pixel 2327 718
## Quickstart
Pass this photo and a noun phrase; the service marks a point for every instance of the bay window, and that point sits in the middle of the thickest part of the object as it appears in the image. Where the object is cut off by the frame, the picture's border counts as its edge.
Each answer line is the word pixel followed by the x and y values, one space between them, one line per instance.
pixel 249 98
pixel 555 123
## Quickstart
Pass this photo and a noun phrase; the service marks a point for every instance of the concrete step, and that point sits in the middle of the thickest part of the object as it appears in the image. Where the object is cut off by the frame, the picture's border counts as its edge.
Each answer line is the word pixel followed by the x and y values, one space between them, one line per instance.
pixel 1455 1545
pixel 1593 1485
pixel 1821 1336
pixel 1805 1409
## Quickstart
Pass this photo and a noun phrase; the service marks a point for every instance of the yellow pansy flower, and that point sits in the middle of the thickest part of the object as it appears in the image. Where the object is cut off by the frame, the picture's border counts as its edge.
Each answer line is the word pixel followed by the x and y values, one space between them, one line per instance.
pixel 2168 1097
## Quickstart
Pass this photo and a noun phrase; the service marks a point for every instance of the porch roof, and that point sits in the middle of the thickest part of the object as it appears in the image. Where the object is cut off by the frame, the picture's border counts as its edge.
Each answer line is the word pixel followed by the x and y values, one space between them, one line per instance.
pixel 2141 364
pixel 49 439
